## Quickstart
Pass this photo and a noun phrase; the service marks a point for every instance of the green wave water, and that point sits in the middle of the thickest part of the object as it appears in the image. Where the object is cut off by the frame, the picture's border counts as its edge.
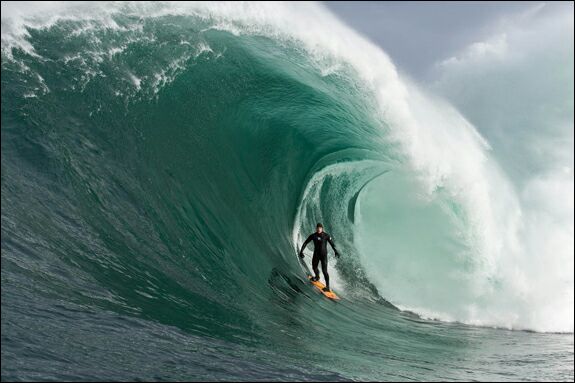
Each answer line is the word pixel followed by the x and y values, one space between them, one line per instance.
pixel 159 170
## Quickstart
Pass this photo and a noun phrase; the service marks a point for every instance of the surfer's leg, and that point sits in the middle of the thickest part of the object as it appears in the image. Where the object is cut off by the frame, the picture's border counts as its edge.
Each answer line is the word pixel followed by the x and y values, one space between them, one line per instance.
pixel 314 262
pixel 324 270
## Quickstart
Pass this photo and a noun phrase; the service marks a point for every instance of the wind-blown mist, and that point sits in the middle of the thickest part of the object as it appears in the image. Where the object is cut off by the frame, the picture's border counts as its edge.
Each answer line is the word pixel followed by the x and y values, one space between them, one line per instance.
pixel 517 89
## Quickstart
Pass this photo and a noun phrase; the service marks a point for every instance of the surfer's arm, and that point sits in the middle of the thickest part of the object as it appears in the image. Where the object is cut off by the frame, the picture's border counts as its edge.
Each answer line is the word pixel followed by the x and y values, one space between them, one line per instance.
pixel 332 245
pixel 305 244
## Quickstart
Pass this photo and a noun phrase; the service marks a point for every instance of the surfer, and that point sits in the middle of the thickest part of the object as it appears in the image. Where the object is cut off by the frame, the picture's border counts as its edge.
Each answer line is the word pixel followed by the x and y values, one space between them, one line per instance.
pixel 320 240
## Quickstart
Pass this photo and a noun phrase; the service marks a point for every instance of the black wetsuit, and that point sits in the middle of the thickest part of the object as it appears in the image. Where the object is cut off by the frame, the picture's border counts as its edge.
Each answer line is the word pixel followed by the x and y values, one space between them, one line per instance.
pixel 320 241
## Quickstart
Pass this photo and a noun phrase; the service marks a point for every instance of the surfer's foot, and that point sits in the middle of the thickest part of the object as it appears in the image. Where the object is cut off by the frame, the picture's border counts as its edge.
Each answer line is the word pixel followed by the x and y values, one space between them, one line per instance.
pixel 314 279
pixel 326 289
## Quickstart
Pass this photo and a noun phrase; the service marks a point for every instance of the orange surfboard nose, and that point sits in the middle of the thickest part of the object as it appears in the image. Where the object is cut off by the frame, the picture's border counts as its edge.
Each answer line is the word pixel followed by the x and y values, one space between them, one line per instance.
pixel 330 294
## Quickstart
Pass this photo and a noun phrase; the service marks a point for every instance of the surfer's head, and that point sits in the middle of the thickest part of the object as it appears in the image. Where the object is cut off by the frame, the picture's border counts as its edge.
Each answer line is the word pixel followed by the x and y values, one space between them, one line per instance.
pixel 319 227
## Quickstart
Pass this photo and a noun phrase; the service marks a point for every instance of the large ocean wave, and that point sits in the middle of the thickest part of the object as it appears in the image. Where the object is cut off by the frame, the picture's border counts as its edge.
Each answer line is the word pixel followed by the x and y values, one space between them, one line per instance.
pixel 165 161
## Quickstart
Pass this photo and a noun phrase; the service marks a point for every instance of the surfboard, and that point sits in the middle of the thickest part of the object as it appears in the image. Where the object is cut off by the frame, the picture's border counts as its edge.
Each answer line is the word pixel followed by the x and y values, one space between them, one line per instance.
pixel 320 286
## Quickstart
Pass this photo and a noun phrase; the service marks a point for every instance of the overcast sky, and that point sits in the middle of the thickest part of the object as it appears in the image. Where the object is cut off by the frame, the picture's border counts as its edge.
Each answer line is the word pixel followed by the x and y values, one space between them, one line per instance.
pixel 418 34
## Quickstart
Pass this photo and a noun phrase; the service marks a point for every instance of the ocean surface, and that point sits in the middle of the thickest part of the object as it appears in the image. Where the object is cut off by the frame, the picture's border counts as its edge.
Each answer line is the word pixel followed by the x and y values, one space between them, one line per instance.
pixel 162 163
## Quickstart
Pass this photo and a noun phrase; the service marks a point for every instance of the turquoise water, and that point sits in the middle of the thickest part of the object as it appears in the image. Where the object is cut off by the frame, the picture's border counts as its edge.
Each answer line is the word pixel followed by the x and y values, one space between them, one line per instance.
pixel 159 171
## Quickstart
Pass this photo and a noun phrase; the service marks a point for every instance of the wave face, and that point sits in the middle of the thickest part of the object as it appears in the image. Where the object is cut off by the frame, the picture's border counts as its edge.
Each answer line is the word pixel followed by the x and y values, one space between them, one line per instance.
pixel 162 163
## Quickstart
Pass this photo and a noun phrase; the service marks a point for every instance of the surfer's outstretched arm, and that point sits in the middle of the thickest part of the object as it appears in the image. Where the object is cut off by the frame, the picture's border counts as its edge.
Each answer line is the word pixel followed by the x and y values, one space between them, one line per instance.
pixel 305 244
